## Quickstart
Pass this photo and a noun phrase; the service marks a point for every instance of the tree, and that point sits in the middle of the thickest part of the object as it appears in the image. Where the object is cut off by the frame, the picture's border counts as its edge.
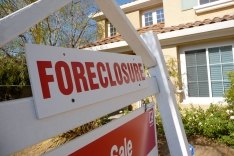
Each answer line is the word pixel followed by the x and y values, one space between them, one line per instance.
pixel 70 26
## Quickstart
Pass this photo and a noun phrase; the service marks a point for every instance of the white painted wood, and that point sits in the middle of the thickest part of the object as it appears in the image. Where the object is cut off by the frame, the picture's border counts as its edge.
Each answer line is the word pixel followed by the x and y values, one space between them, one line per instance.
pixel 18 22
pixel 202 8
pixel 19 125
pixel 117 17
pixel 154 151
pixel 21 128
pixel 172 123
pixel 84 140
pixel 58 102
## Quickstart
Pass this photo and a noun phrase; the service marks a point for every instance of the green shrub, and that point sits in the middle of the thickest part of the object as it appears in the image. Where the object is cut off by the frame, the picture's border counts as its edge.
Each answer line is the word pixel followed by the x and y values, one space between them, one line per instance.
pixel 159 125
pixel 229 94
pixel 216 122
pixel 213 123
pixel 193 120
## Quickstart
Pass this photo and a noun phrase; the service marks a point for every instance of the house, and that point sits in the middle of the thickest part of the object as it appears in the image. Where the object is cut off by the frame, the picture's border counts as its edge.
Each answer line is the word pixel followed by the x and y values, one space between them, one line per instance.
pixel 197 34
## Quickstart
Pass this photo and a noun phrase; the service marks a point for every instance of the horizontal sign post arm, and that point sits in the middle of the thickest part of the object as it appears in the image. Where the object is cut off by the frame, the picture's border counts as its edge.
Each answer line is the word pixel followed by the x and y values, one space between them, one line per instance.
pixel 11 112
pixel 172 123
pixel 86 139
pixel 105 136
pixel 117 17
pixel 18 22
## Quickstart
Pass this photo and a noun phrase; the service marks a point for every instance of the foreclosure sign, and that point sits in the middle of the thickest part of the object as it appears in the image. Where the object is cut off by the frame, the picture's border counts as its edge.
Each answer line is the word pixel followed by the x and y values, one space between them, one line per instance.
pixel 65 79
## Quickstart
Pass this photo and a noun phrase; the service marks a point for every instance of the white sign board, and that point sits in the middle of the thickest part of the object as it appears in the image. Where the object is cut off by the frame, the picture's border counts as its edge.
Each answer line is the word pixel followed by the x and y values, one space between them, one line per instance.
pixel 65 79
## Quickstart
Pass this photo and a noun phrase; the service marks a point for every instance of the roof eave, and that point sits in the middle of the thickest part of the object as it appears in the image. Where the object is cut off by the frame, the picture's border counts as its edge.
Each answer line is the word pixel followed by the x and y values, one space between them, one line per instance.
pixel 129 7
pixel 210 31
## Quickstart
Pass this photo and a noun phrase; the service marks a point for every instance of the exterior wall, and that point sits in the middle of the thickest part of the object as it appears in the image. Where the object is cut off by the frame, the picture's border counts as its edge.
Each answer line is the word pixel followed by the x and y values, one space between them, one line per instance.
pixel 173 7
pixel 134 18
pixel 171 56
pixel 170 52
pixel 102 29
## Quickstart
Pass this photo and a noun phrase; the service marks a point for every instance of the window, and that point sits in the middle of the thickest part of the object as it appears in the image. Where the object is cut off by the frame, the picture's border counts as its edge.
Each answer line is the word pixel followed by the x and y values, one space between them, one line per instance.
pixel 206 71
pixel 148 18
pixel 209 5
pixel 197 77
pixel 160 15
pixel 206 1
pixel 220 63
pixel 153 17
pixel 111 30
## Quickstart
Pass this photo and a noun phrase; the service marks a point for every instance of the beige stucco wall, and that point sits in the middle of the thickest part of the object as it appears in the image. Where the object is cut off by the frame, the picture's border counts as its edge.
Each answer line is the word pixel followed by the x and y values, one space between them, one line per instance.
pixel 171 55
pixel 175 16
pixel 170 52
pixel 102 29
pixel 134 18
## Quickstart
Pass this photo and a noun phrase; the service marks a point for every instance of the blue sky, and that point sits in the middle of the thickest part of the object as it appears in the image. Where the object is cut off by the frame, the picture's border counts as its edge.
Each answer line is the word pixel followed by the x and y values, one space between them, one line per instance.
pixel 120 2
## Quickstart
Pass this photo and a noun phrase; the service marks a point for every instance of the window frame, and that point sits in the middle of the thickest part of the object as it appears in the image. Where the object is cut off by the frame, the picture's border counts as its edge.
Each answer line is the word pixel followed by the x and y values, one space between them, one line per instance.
pixel 201 8
pixel 200 100
pixel 109 30
pixel 154 16
pixel 199 2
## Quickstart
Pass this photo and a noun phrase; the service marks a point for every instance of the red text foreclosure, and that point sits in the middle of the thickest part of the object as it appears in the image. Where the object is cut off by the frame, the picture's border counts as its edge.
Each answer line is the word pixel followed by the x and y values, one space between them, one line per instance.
pixel 83 75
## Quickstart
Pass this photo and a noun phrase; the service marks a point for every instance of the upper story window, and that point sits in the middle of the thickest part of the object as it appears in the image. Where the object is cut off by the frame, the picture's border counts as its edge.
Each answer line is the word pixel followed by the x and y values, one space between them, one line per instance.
pixel 111 30
pixel 148 18
pixel 152 17
pixel 206 1
pixel 160 15
pixel 209 5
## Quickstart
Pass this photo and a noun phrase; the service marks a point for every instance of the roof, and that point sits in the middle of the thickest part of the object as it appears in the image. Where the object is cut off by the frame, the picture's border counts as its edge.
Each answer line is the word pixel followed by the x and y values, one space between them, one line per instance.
pixel 159 29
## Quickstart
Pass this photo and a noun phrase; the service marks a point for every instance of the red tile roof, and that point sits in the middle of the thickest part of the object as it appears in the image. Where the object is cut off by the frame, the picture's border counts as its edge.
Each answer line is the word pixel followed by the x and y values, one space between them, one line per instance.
pixel 159 28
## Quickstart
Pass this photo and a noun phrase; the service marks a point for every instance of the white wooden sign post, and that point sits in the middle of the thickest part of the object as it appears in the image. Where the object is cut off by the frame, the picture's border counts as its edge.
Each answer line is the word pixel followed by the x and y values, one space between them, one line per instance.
pixel 74 87
pixel 151 53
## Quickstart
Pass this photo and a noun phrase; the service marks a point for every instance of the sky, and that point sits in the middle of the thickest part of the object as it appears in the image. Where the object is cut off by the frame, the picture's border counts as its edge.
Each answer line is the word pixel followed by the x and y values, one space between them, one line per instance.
pixel 120 2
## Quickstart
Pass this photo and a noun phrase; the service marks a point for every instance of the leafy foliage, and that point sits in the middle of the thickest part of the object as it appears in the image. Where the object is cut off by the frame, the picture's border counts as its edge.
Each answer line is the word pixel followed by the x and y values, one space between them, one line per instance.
pixel 14 80
pixel 214 123
pixel 172 66
pixel 229 94
pixel 192 119
pixel 71 26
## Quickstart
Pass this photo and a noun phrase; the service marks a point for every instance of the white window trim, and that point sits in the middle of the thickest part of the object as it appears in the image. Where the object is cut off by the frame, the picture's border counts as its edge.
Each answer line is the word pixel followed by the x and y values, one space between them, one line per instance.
pixel 109 33
pixel 199 100
pixel 154 15
pixel 212 6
